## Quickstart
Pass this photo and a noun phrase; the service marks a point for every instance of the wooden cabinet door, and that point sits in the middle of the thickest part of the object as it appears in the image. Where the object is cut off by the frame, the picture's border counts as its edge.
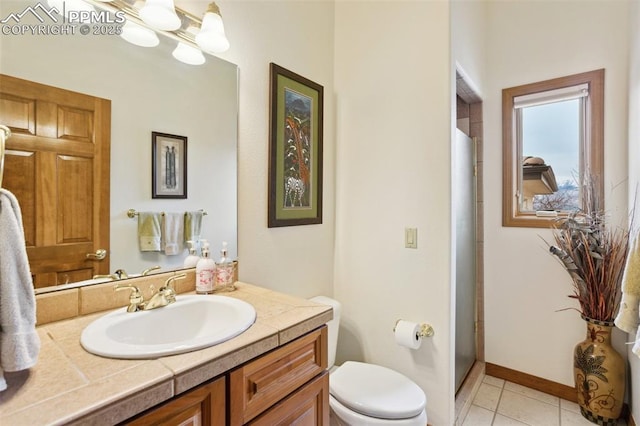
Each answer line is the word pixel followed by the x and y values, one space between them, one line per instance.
pixel 57 165
pixel 308 406
pixel 261 383
pixel 204 406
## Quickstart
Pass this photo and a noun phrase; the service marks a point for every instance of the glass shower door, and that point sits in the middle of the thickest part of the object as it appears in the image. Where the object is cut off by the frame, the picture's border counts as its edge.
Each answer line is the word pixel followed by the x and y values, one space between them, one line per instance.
pixel 465 222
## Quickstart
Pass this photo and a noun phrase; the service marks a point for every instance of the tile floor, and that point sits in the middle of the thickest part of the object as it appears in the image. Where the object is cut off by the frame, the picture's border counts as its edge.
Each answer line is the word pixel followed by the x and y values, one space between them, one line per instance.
pixel 501 403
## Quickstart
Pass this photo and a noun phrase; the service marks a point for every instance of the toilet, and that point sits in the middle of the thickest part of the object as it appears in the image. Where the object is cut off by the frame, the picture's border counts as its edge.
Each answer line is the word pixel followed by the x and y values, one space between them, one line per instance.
pixel 367 394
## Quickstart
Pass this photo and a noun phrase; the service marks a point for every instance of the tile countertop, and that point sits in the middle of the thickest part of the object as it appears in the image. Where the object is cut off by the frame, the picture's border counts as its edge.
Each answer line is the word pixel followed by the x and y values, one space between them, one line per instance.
pixel 72 386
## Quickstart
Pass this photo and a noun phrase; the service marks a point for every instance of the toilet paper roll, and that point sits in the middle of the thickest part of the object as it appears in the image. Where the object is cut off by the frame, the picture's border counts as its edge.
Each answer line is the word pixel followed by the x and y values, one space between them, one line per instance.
pixel 406 334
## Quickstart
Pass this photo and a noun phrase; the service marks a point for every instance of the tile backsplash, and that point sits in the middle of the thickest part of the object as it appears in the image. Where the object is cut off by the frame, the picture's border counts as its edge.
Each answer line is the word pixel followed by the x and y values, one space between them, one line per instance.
pixel 70 303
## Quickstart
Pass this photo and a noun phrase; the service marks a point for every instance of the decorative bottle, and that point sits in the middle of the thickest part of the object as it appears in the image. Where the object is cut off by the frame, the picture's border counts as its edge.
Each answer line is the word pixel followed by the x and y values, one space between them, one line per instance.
pixel 205 270
pixel 191 261
pixel 224 271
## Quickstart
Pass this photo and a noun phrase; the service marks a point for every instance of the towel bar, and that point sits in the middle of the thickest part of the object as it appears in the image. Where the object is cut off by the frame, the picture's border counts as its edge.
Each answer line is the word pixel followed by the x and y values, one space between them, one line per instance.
pixel 133 213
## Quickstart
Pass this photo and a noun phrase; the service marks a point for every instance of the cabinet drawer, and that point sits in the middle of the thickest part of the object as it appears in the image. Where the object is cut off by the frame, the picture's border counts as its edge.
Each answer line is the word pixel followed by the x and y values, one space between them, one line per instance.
pixel 309 405
pixel 204 406
pixel 259 384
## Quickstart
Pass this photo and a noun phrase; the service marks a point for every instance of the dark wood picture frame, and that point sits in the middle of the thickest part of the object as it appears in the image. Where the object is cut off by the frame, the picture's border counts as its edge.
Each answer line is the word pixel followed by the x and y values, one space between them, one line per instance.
pixel 295 149
pixel 168 166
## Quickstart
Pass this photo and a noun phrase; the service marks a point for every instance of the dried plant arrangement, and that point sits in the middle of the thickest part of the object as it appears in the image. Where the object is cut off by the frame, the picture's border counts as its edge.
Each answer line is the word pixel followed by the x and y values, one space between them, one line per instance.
pixel 594 255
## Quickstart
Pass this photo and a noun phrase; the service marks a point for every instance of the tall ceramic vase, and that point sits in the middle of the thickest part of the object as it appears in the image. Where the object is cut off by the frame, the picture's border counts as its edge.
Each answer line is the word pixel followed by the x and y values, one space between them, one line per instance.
pixel 599 373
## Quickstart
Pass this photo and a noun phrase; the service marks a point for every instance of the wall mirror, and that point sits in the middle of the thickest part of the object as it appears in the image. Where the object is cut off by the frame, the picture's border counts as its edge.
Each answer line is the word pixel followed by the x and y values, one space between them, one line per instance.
pixel 552 133
pixel 149 91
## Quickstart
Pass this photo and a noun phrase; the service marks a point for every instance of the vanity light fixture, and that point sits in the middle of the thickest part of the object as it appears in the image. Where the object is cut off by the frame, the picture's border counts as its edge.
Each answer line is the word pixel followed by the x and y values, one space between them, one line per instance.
pixel 160 14
pixel 211 37
pixel 194 35
pixel 139 35
pixel 189 54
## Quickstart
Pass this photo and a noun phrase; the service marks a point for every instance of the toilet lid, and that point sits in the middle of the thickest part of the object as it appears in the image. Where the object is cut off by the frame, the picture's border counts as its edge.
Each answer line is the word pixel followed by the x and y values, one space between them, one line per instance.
pixel 376 391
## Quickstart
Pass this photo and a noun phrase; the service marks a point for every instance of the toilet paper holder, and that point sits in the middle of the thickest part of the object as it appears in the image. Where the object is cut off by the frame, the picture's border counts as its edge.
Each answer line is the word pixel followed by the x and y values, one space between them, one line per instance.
pixel 426 330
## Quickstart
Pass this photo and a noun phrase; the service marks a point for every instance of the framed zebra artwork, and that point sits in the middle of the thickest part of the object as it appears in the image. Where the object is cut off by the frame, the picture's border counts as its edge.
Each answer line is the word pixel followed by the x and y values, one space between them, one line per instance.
pixel 295 149
pixel 168 166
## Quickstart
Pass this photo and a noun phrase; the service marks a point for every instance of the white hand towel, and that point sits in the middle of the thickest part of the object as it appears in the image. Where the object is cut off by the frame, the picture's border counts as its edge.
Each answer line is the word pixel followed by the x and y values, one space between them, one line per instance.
pixel 173 233
pixel 149 232
pixel 19 341
pixel 627 318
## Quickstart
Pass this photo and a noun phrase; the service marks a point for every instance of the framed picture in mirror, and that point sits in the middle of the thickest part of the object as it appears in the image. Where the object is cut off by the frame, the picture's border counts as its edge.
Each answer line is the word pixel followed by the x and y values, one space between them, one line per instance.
pixel 168 166
pixel 295 149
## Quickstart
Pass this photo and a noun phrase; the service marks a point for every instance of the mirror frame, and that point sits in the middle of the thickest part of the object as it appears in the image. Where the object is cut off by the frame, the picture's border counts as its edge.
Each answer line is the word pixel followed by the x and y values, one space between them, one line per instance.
pixel 593 162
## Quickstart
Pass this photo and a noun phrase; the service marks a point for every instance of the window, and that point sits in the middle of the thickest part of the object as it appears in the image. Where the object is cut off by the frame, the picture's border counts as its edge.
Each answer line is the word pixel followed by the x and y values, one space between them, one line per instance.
pixel 552 140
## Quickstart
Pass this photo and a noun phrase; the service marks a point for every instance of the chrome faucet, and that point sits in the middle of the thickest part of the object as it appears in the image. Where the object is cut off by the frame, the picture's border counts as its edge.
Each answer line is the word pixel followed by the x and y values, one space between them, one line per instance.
pixel 165 295
pixel 136 300
pixel 146 271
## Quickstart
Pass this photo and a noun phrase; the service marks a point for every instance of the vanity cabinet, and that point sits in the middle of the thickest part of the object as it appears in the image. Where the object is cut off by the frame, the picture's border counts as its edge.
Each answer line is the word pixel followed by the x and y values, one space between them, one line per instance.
pixel 288 385
pixel 204 405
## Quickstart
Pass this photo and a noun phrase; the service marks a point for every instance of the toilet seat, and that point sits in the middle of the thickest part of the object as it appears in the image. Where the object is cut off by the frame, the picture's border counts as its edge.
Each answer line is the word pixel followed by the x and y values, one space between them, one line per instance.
pixel 376 391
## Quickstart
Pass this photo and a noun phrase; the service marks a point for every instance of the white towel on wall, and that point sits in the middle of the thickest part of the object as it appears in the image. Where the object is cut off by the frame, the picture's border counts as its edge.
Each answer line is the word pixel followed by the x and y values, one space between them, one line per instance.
pixel 19 341
pixel 173 233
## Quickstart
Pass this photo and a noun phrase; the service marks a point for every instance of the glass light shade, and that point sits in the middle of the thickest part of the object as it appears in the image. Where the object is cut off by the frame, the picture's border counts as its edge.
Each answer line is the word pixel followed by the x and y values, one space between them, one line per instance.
pixel 188 54
pixel 211 37
pixel 139 35
pixel 160 14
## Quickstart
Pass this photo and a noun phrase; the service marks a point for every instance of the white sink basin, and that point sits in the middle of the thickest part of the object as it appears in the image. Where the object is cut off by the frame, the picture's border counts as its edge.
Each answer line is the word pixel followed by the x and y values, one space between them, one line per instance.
pixel 191 323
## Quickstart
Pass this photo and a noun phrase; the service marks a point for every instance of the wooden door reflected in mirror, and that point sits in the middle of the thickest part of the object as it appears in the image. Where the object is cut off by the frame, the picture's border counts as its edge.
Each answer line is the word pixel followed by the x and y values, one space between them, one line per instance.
pixel 57 166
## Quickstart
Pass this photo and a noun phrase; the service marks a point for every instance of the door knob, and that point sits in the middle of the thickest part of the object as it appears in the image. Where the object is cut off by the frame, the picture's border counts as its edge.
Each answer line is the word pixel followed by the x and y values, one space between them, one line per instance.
pixel 98 255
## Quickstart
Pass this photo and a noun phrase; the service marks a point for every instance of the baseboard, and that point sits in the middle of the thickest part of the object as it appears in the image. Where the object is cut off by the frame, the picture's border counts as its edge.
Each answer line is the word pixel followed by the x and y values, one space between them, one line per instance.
pixel 533 382
pixel 543 385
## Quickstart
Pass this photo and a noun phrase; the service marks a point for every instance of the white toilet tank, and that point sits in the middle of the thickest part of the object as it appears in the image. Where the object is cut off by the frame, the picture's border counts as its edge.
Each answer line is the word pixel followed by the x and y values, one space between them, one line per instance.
pixel 332 326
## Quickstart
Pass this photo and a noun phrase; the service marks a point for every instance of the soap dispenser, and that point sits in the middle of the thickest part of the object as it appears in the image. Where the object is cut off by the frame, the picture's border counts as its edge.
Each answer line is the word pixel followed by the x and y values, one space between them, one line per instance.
pixel 191 260
pixel 205 270
pixel 224 271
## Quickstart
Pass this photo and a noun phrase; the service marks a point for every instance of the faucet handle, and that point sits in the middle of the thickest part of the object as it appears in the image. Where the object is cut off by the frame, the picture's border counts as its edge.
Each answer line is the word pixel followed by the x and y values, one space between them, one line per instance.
pixel 168 289
pixel 136 300
pixel 121 274
pixel 153 268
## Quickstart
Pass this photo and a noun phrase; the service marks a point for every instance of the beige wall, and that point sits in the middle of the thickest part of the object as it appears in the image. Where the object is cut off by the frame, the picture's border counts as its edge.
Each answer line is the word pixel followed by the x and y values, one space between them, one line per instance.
pixel 393 106
pixel 529 41
pixel 468 36
pixel 298 36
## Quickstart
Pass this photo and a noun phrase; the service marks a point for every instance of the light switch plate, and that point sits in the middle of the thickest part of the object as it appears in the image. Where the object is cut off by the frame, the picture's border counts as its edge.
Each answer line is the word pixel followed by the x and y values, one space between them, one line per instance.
pixel 411 238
